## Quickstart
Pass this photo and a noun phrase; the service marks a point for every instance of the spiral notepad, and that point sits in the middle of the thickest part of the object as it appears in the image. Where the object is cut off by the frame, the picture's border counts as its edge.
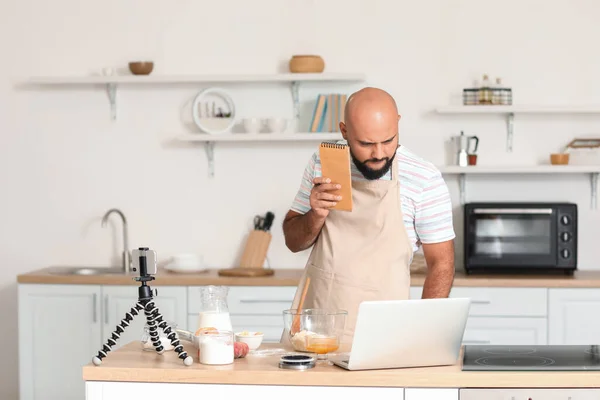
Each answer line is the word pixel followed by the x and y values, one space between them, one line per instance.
pixel 335 165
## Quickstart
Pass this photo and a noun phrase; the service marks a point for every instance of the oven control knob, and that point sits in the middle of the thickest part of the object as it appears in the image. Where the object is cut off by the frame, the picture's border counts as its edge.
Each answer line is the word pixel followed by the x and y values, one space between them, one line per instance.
pixel 565 236
pixel 565 220
pixel 565 253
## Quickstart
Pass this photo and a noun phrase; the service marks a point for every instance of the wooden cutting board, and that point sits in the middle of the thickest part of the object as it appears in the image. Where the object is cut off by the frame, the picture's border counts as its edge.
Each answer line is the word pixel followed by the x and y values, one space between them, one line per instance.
pixel 245 272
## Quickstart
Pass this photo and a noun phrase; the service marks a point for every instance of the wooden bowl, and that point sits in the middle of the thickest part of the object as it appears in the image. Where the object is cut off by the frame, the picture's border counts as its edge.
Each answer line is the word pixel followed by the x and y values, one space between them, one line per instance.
pixel 559 158
pixel 306 64
pixel 141 67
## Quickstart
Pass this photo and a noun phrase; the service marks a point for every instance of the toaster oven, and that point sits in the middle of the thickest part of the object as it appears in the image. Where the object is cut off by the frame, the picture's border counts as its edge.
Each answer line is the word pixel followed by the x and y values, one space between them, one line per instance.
pixel 520 237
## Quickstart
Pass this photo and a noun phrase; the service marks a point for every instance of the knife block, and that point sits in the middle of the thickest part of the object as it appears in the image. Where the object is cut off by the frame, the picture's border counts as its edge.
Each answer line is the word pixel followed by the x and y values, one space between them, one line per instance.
pixel 255 252
pixel 253 257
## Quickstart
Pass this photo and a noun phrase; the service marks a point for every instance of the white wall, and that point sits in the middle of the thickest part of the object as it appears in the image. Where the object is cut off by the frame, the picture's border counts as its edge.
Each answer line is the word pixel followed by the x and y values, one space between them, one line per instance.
pixel 64 163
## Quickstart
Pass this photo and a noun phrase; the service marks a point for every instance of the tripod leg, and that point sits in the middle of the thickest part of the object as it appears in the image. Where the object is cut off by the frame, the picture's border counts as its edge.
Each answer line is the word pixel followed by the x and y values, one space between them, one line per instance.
pixel 155 321
pixel 112 340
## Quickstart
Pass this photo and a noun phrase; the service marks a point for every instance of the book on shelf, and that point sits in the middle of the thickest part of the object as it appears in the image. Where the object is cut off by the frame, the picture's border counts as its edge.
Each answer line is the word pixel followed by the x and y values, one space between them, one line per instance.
pixel 328 112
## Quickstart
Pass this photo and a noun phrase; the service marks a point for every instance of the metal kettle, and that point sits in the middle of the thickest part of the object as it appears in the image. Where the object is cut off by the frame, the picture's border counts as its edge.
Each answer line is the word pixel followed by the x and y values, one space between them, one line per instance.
pixel 463 148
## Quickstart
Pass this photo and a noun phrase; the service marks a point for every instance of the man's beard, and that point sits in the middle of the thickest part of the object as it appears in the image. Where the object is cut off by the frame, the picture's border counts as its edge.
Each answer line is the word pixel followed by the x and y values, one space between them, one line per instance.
pixel 370 173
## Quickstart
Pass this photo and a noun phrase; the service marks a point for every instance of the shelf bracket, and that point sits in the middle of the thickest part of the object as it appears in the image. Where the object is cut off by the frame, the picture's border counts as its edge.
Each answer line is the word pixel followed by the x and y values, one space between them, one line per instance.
pixel 510 128
pixel 296 99
pixel 594 193
pixel 210 156
pixel 111 89
pixel 462 187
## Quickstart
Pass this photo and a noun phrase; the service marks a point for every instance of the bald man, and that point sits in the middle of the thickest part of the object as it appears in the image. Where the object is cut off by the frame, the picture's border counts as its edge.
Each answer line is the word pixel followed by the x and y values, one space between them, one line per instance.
pixel 401 203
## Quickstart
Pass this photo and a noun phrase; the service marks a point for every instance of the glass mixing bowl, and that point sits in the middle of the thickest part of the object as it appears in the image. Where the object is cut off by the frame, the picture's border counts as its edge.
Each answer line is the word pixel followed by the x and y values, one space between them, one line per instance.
pixel 315 330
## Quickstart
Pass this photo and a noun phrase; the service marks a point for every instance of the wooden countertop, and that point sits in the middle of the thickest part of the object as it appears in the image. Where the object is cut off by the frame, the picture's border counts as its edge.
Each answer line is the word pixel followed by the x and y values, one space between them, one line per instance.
pixel 281 277
pixel 291 277
pixel 131 364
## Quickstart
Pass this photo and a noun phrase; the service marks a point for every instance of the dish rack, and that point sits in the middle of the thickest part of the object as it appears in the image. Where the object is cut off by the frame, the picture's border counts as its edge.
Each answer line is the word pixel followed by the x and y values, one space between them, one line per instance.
pixel 584 151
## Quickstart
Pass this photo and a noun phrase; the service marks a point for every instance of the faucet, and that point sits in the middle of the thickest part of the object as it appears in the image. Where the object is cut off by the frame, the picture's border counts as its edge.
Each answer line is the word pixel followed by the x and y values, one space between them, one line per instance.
pixel 126 254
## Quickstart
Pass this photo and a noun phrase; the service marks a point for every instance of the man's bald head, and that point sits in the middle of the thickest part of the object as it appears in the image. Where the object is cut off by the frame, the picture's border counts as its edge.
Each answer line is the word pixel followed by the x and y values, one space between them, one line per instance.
pixel 370 103
pixel 371 128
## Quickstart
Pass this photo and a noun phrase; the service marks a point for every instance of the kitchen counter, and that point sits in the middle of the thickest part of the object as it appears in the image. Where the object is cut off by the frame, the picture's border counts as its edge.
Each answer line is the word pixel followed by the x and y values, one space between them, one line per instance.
pixel 291 277
pixel 281 277
pixel 131 364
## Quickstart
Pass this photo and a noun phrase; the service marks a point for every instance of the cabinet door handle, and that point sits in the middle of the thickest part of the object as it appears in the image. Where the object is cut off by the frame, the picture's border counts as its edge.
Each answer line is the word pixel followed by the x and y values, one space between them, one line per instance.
pixel 476 342
pixel 106 309
pixel 480 302
pixel 264 301
pixel 94 307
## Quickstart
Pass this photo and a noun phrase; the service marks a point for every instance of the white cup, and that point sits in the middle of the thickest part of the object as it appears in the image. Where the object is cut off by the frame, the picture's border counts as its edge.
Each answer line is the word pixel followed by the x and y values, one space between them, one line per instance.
pixel 108 71
pixel 186 261
pixel 277 125
pixel 252 125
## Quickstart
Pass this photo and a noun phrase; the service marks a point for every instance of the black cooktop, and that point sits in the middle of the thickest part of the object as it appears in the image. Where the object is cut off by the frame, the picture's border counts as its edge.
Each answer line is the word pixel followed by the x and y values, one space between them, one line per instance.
pixel 531 358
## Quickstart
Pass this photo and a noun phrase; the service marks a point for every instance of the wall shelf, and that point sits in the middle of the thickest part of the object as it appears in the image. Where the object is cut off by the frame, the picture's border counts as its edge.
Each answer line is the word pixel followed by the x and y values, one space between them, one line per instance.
pixel 210 140
pixel 462 172
pixel 510 111
pixel 111 82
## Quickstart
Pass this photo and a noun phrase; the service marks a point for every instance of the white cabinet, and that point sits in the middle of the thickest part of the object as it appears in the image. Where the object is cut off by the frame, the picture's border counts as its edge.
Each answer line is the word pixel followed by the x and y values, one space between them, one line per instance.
pixel 61 327
pixel 118 300
pixel 574 316
pixel 59 332
pixel 503 315
pixel 160 391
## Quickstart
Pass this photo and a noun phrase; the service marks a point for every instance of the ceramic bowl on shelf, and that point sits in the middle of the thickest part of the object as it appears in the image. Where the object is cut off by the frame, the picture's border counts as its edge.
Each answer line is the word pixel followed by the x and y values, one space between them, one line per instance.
pixel 141 67
pixel 252 125
pixel 559 159
pixel 277 125
pixel 306 64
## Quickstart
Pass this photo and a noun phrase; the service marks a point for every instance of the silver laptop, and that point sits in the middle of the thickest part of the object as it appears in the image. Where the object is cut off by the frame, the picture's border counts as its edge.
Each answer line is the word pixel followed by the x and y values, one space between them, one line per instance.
pixel 407 333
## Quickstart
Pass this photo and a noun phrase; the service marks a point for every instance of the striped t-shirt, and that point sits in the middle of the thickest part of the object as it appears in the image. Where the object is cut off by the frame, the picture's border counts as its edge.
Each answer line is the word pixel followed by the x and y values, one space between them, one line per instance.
pixel 424 196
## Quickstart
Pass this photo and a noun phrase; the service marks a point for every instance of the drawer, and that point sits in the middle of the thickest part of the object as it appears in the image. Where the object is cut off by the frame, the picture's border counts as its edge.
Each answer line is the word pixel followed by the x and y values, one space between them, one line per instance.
pixel 506 331
pixel 250 300
pixel 493 301
pixel 517 302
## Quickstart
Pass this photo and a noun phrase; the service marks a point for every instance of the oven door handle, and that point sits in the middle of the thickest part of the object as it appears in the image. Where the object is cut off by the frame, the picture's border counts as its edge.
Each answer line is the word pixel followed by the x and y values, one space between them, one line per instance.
pixel 512 211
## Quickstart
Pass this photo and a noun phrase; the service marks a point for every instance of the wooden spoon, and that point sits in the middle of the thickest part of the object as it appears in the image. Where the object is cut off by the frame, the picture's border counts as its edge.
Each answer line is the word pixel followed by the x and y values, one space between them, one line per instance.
pixel 296 323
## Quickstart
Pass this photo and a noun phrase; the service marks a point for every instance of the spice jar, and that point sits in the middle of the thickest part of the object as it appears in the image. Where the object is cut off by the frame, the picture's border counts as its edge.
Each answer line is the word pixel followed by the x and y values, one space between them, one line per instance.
pixel 216 347
pixel 485 91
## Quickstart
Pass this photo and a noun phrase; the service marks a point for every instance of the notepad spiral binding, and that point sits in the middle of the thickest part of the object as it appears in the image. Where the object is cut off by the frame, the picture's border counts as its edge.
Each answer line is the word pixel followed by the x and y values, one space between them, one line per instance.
pixel 333 145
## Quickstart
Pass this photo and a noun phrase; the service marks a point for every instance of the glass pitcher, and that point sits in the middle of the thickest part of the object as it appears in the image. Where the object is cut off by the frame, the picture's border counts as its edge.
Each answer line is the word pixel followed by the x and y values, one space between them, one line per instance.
pixel 214 312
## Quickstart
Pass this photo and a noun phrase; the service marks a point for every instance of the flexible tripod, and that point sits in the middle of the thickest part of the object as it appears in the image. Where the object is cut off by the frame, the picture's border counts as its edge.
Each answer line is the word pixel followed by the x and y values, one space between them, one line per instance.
pixel 153 316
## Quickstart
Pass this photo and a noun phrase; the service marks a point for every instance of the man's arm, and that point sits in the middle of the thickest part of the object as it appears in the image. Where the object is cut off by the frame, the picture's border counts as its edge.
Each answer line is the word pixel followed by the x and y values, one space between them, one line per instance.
pixel 304 221
pixel 435 230
pixel 440 269
pixel 301 230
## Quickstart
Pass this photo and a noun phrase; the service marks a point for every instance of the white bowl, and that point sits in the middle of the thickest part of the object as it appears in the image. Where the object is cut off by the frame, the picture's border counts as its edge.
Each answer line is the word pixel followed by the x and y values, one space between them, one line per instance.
pixel 250 338
pixel 252 125
pixel 277 125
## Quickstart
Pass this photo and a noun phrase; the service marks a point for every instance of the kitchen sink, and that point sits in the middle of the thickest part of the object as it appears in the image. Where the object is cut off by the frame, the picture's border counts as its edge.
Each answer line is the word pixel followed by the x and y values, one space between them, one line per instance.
pixel 86 271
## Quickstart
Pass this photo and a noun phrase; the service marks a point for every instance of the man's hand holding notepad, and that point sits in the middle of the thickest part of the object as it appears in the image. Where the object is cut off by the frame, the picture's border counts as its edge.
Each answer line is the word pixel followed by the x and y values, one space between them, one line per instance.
pixel 335 167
